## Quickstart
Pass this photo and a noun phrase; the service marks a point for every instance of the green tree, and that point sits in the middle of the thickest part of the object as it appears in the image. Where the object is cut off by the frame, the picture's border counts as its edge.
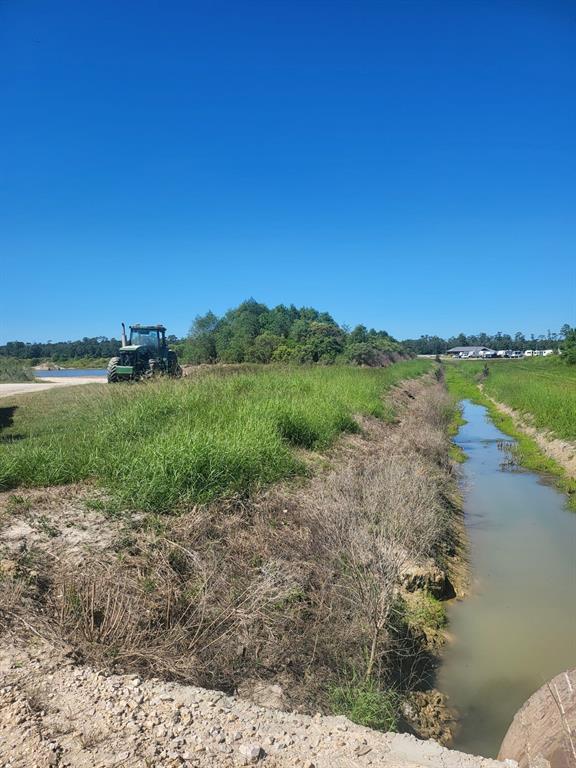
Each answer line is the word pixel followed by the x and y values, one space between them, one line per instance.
pixel 358 335
pixel 201 344
pixel 363 353
pixel 569 346
pixel 322 343
pixel 263 347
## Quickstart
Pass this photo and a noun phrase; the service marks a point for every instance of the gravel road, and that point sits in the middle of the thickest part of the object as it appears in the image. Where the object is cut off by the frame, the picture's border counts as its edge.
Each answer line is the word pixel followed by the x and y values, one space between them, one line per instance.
pixel 54 713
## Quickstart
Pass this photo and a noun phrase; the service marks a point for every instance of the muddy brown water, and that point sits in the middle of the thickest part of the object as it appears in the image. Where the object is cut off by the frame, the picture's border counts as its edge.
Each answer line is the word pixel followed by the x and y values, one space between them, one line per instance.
pixel 517 628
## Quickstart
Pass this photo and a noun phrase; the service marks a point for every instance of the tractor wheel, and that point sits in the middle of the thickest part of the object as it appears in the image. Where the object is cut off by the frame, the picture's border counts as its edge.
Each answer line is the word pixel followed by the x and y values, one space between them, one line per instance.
pixel 174 369
pixel 112 372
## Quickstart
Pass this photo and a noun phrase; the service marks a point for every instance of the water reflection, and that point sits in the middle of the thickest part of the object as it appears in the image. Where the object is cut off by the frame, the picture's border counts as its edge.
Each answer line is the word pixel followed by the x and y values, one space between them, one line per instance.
pixel 518 627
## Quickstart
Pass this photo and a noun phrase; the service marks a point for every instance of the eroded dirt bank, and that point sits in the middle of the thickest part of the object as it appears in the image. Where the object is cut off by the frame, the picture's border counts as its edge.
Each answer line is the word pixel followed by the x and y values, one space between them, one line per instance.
pixel 311 588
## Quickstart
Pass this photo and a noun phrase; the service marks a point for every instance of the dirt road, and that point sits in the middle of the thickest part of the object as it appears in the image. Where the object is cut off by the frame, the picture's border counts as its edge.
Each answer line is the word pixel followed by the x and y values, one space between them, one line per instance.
pixel 54 713
pixel 22 388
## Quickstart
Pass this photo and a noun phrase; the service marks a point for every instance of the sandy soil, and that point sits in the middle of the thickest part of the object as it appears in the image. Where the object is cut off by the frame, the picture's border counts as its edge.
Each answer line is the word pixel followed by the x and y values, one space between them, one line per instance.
pixel 29 387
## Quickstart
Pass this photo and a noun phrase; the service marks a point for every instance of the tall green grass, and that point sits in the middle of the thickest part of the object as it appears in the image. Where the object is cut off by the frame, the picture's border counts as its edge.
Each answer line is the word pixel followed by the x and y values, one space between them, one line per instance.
pixel 363 702
pixel 157 444
pixel 14 370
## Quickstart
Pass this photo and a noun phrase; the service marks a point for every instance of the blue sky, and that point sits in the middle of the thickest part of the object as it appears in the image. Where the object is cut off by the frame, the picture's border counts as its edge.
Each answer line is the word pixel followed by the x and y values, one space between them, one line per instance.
pixel 407 165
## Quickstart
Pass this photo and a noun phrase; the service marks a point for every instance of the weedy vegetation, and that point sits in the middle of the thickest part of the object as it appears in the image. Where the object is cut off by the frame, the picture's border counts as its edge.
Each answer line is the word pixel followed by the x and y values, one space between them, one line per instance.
pixel 14 370
pixel 159 444
pixel 424 611
pixel 363 702
pixel 296 583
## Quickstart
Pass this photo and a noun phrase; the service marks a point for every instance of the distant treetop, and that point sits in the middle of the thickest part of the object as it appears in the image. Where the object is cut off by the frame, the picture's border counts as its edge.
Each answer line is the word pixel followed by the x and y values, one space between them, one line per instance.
pixel 254 333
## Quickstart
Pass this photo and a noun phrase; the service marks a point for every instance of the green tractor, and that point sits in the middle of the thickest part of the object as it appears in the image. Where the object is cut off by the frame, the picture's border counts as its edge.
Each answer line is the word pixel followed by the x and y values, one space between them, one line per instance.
pixel 144 355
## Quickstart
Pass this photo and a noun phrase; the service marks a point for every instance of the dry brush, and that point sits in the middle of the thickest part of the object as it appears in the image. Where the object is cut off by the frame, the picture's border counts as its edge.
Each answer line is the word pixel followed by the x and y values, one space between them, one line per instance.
pixel 299 585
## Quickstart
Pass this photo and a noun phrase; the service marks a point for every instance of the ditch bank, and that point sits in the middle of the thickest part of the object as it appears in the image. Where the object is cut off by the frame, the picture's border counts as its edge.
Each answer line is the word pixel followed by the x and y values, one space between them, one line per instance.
pixel 328 591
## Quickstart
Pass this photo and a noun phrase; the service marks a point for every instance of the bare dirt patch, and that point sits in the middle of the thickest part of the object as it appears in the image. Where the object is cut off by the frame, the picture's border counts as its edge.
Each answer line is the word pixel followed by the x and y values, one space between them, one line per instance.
pixel 57 521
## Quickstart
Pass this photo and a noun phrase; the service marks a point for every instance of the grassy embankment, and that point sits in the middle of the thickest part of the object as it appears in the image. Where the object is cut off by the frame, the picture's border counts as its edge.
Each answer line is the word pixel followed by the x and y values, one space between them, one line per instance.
pixel 304 578
pixel 84 362
pixel 14 371
pixel 156 445
pixel 543 392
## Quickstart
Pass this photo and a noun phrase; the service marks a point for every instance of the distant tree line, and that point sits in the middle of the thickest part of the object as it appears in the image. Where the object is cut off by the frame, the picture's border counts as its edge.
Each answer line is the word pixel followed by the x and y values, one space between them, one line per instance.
pixel 254 333
pixel 60 351
pixel 435 345
pixel 250 332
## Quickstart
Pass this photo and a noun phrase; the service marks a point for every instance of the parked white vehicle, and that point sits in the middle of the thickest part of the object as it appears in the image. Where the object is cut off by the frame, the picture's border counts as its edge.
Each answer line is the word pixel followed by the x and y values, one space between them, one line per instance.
pixel 529 353
pixel 548 352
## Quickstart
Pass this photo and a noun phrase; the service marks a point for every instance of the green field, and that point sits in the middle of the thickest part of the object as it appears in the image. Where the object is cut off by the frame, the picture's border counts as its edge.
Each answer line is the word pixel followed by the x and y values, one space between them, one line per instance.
pixel 542 389
pixel 155 445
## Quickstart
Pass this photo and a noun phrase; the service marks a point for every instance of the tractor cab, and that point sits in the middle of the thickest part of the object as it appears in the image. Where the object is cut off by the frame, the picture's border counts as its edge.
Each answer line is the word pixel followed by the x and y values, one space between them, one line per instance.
pixel 143 355
pixel 151 336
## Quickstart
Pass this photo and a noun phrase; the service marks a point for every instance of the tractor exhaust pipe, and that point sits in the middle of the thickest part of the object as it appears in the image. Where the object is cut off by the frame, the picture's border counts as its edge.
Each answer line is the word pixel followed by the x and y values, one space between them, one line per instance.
pixel 124 341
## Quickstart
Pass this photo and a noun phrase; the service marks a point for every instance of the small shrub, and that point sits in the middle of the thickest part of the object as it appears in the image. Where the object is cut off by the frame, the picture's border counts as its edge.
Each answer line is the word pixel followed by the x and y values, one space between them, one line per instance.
pixel 178 561
pixel 366 704
pixel 13 370
pixel 424 611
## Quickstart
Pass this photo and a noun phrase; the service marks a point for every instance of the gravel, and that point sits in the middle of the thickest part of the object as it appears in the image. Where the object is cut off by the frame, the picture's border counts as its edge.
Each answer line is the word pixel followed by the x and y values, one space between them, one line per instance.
pixel 53 713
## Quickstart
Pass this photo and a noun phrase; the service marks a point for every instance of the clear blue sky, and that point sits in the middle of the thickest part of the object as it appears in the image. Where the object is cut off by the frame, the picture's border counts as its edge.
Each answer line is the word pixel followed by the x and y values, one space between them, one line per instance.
pixel 407 165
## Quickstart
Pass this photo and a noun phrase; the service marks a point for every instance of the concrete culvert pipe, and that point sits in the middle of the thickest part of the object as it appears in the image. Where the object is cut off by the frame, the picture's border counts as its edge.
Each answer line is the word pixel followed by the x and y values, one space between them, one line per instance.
pixel 543 732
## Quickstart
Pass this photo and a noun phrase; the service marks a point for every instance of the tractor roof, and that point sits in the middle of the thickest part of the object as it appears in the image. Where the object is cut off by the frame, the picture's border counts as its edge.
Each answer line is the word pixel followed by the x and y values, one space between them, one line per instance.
pixel 139 327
